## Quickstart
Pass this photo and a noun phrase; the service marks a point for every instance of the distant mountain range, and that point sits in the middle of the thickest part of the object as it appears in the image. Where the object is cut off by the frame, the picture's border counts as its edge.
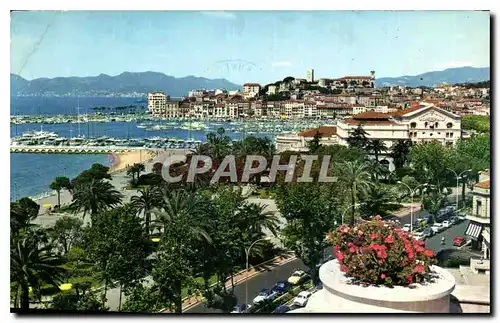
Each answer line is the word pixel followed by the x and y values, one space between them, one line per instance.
pixel 430 79
pixel 138 84
pixel 125 84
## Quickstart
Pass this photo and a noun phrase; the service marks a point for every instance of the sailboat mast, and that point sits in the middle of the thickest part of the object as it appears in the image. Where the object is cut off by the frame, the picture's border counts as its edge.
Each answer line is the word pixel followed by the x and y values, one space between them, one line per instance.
pixel 78 109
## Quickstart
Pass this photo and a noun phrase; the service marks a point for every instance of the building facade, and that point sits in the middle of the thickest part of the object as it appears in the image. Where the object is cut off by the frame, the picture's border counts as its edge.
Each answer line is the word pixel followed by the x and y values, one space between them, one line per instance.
pixel 479 230
pixel 251 90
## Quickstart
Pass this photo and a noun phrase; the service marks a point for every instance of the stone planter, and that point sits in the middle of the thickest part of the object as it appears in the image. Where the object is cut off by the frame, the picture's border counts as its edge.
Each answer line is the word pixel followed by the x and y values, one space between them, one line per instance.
pixel 430 297
pixel 339 295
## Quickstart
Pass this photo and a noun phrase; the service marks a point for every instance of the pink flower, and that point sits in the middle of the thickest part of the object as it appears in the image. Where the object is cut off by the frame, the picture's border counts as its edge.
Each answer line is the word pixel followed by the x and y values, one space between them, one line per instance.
pixel 340 256
pixel 429 253
pixel 419 269
pixel 410 279
pixel 382 276
pixel 373 236
pixel 389 239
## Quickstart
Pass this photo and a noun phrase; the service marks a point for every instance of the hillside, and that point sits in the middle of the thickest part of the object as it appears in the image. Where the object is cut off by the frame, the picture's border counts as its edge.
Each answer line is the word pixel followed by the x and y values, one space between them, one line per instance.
pixel 430 79
pixel 123 84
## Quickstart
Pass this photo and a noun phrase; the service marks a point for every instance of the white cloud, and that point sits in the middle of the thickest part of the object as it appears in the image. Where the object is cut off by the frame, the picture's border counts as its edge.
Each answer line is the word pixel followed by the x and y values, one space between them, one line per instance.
pixel 219 14
pixel 281 64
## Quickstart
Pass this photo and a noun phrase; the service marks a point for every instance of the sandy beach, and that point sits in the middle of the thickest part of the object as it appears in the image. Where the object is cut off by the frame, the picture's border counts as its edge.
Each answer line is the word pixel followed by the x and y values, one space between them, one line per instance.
pixel 121 161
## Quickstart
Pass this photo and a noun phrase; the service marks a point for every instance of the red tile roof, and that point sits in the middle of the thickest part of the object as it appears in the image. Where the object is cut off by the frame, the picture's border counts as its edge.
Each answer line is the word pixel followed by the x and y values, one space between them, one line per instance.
pixel 251 84
pixel 369 122
pixel 405 111
pixel 324 131
pixel 484 184
pixel 371 115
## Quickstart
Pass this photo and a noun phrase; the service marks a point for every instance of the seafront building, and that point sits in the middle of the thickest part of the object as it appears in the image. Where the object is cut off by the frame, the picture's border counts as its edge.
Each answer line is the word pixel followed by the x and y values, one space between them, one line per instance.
pixel 479 229
pixel 421 123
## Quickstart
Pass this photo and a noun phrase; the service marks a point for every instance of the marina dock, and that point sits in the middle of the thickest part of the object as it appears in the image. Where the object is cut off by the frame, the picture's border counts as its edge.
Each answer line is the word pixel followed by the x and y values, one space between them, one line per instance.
pixel 42 149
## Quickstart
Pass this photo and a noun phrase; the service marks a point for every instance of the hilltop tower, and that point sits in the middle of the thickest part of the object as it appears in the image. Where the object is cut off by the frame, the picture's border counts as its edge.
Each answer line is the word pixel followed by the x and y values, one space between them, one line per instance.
pixel 310 76
pixel 372 75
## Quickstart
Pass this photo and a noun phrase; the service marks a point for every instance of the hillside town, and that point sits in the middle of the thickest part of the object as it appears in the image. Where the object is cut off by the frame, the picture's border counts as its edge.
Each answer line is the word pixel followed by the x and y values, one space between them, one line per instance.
pixel 337 98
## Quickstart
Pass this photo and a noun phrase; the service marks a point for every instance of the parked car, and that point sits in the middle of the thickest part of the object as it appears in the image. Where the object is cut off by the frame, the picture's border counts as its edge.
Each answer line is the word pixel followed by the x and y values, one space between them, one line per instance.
pixel 282 309
pixel 302 298
pixel 265 294
pixel 428 232
pixel 281 287
pixel 297 277
pixel 461 217
pixel 454 220
pixel 446 223
pixel 458 241
pixel 419 235
pixel 439 226
pixel 406 227
pixel 240 308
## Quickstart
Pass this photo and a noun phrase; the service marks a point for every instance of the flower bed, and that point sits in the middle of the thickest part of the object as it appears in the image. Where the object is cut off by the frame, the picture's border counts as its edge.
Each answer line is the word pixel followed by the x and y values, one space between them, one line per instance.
pixel 379 253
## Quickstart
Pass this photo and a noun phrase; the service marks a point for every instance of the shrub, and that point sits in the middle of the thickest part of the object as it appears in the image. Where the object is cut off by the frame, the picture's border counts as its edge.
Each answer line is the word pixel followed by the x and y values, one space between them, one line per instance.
pixel 379 253
pixel 453 258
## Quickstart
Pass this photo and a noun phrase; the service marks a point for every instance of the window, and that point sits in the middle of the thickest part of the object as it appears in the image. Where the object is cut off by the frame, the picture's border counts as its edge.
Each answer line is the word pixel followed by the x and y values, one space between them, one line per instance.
pixel 430 134
pixel 449 125
pixel 425 124
pixel 451 134
pixel 439 133
pixel 413 125
pixel 437 124
pixel 423 132
pixel 479 208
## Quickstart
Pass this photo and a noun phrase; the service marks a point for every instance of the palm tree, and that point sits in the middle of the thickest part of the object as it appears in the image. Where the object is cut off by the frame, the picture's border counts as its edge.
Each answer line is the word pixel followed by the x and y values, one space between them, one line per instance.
pixel 356 176
pixel 58 184
pixel 134 170
pixel 377 201
pixel 22 213
pixel 218 145
pixel 94 197
pixel 400 152
pixel 376 146
pixel 184 206
pixel 32 265
pixel 254 218
pixel 148 199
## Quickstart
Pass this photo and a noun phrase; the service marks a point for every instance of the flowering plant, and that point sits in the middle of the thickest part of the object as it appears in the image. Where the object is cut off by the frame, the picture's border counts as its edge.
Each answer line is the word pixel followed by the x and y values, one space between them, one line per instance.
pixel 379 253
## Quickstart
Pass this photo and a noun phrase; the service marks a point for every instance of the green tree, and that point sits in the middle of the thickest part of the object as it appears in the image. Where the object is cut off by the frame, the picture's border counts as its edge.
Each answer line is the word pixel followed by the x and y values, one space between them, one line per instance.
pixel 148 199
pixel 66 232
pixel 377 201
pixel 376 147
pixel 314 144
pixel 400 152
pixel 141 299
pixel 135 171
pixel 87 302
pixel 58 184
pixel 433 202
pixel 33 264
pixel 95 173
pixel 308 223
pixel 430 161
pixel 356 176
pixel 357 138
pixel 94 197
pixel 22 213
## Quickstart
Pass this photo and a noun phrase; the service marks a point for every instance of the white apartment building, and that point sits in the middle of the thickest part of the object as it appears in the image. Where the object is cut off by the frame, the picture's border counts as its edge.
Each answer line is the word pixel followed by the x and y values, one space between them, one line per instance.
pixel 159 105
pixel 251 90
pixel 479 226
pixel 272 89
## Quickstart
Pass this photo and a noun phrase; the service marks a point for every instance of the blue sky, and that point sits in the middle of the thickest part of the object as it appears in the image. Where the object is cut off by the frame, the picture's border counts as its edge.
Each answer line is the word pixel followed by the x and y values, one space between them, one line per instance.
pixel 247 46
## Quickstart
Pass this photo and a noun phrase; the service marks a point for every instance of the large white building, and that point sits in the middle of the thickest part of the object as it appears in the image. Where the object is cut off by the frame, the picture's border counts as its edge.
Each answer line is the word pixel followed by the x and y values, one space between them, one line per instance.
pixel 251 90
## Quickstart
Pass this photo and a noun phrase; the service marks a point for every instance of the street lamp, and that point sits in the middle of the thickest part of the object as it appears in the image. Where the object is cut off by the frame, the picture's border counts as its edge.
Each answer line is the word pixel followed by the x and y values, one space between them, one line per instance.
pixel 348 207
pixel 458 179
pixel 411 196
pixel 247 252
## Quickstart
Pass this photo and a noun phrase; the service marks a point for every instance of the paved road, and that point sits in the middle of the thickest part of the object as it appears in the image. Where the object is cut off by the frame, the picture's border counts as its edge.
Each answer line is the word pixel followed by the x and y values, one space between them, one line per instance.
pixel 265 279
pixel 434 243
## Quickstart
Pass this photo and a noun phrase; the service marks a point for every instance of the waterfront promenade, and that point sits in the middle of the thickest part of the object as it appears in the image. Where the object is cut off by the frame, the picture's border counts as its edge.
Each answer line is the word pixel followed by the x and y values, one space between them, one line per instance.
pixel 42 149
